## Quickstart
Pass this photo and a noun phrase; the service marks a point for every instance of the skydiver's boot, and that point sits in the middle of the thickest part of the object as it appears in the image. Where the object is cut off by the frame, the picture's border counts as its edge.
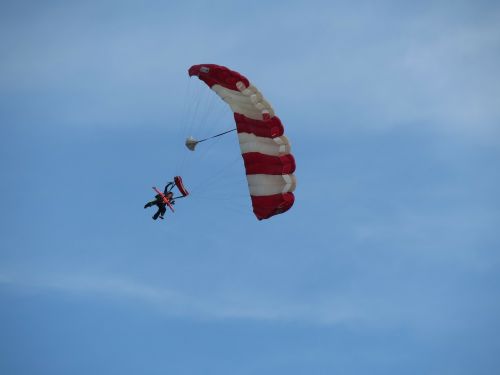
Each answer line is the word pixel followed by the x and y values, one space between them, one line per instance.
pixel 155 216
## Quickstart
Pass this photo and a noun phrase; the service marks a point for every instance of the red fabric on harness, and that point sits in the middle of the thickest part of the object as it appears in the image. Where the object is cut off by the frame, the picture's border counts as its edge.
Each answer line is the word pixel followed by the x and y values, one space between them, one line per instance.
pixel 180 186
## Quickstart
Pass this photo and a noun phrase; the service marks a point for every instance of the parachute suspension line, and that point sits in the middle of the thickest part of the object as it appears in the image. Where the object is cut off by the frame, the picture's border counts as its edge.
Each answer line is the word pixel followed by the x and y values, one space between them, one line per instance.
pixel 204 103
pixel 206 114
pixel 240 209
pixel 194 118
pixel 184 123
pixel 191 142
pixel 209 128
pixel 226 205
pixel 216 176
pixel 193 111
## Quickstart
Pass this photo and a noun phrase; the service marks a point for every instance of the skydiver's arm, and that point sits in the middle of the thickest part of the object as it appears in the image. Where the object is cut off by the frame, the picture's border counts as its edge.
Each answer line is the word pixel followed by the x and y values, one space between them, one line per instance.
pixel 168 188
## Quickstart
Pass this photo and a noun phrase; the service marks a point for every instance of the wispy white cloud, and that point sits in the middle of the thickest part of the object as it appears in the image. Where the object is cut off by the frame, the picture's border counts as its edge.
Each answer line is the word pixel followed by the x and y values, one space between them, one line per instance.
pixel 356 306
pixel 216 305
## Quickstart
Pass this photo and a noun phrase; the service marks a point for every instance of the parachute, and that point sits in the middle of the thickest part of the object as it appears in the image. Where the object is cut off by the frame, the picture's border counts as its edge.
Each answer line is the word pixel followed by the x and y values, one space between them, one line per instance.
pixel 265 150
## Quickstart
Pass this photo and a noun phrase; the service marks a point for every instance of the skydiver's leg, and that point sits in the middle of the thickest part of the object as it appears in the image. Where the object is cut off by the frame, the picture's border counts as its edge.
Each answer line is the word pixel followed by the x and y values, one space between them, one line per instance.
pixel 149 204
pixel 155 216
pixel 162 211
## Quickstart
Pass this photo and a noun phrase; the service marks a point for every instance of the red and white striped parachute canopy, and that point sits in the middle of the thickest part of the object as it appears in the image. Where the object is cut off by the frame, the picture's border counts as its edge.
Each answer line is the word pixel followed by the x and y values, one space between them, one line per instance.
pixel 265 150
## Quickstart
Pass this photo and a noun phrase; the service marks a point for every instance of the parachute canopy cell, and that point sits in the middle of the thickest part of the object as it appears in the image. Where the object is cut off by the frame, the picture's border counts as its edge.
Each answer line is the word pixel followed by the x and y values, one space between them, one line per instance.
pixel 265 150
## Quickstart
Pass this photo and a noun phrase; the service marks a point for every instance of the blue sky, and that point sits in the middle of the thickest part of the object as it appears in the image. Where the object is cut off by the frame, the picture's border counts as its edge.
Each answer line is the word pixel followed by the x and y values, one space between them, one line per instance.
pixel 388 262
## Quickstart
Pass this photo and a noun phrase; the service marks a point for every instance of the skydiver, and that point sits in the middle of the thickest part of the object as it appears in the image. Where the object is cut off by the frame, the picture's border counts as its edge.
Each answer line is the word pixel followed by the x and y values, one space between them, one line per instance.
pixel 158 201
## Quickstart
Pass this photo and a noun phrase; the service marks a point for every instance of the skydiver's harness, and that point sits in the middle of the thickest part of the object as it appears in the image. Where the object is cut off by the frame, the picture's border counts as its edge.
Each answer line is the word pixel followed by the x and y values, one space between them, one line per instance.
pixel 168 189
